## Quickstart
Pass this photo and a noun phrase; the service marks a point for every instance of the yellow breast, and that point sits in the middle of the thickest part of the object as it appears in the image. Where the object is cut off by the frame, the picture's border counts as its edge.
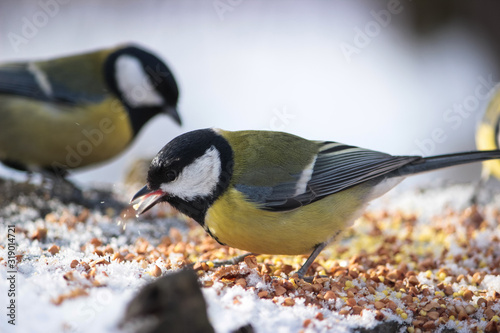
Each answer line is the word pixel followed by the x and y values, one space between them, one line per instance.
pixel 241 224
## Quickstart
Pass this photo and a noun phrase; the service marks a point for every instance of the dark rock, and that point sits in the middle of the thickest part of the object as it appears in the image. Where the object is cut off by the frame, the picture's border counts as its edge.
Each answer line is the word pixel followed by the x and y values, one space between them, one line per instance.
pixel 244 329
pixel 387 327
pixel 173 303
pixel 37 196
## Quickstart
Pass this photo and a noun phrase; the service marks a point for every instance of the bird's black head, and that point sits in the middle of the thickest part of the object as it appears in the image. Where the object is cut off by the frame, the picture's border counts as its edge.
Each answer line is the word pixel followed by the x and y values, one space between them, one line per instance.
pixel 143 83
pixel 190 173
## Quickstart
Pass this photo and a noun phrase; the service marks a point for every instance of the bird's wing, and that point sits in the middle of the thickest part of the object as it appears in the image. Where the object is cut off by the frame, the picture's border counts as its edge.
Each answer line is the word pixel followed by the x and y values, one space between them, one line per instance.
pixel 17 79
pixel 30 79
pixel 335 168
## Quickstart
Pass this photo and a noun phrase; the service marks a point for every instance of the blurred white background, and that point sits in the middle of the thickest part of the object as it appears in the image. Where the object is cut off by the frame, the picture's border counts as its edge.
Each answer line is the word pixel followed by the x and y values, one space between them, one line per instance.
pixel 354 72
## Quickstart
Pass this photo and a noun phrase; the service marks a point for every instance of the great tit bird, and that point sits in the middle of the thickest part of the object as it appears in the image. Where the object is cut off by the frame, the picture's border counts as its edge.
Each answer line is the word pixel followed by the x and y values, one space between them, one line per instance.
pixel 80 110
pixel 276 193
pixel 488 134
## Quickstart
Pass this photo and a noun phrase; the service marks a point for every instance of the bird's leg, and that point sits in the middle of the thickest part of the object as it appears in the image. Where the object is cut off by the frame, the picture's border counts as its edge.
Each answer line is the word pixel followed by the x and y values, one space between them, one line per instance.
pixel 29 177
pixel 59 186
pixel 232 261
pixel 317 250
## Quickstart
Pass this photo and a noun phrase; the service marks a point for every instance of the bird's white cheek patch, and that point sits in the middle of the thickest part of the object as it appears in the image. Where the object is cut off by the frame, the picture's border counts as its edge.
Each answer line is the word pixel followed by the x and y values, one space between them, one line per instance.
pixel 135 84
pixel 199 179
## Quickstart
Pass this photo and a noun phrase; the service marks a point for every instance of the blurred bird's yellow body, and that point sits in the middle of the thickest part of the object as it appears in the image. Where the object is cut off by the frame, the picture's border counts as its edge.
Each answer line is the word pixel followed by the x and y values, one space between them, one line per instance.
pixel 487 135
pixel 485 140
pixel 55 136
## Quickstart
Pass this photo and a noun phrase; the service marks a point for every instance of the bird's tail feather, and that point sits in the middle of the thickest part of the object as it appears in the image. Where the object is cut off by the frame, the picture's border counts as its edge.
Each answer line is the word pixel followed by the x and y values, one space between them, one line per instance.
pixel 443 161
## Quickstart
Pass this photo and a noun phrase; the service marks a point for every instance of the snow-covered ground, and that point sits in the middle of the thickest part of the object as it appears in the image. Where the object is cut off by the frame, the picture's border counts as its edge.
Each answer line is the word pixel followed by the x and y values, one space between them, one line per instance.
pixel 80 268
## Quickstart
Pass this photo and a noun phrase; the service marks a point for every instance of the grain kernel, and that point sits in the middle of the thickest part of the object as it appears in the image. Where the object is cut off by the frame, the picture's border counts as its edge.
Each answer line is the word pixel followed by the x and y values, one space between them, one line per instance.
pixel 39 234
pixel 96 242
pixel 448 290
pixel 391 305
pixel 357 310
pixel 329 295
pixel 117 256
pixel 155 271
pixel 489 313
pixel 433 315
pixel 468 295
pixel 470 309
pixel 481 302
pixel 251 261
pixel 491 327
pixel 241 282
pixel 351 302
pixel 317 287
pixel 74 263
pixel 68 276
pixel 101 261
pixel 462 315
pixel 412 280
pixel 279 290
pixel 344 312
pixel 53 249
pixel 429 325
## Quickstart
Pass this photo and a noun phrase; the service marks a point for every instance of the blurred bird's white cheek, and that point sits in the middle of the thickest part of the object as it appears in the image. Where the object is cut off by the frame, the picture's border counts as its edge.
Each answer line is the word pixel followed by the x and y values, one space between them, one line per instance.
pixel 135 84
pixel 198 179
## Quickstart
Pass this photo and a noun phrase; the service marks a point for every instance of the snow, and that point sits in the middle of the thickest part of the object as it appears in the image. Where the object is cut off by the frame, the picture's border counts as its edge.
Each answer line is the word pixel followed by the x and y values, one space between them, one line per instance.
pixel 40 275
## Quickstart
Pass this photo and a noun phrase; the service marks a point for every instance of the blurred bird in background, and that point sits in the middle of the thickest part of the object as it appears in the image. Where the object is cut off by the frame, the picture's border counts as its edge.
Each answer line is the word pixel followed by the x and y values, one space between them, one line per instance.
pixel 487 138
pixel 487 135
pixel 81 110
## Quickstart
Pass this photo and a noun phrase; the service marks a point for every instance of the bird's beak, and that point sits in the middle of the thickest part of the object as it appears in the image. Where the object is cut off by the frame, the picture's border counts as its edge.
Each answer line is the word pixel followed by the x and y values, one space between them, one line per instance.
pixel 145 199
pixel 172 112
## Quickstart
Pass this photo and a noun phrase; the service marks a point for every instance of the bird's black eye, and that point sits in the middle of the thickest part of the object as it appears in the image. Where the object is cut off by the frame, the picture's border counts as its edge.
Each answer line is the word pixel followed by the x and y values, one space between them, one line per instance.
pixel 171 175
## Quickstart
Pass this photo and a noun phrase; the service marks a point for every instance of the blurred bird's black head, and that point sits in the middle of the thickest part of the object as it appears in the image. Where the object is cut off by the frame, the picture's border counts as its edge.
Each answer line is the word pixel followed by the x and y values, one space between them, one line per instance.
pixel 190 173
pixel 144 84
